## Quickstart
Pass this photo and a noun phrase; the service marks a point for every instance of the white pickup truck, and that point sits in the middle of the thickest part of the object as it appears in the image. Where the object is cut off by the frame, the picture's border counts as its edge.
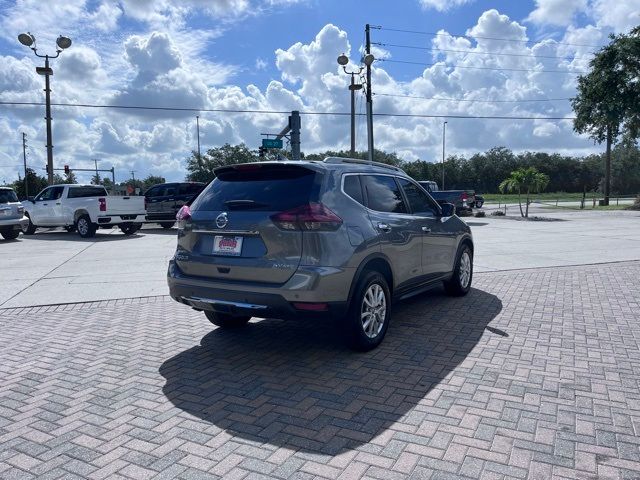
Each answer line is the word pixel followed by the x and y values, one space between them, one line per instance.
pixel 84 208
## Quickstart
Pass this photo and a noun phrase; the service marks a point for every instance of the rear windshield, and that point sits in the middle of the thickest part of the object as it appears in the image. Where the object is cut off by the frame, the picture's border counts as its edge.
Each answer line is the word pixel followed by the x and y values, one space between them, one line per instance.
pixel 8 196
pixel 263 188
pixel 82 192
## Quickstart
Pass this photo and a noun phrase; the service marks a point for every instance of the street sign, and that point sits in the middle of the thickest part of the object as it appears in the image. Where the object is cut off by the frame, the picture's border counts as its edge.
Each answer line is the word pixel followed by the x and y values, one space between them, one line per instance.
pixel 271 143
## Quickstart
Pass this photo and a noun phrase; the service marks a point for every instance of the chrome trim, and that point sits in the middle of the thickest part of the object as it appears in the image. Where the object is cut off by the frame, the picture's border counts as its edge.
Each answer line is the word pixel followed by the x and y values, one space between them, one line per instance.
pixel 246 233
pixel 210 301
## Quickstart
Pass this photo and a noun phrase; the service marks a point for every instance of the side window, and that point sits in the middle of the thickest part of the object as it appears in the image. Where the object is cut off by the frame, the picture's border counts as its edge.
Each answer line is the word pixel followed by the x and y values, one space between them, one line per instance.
pixel 419 201
pixel 383 194
pixel 153 192
pixel 57 193
pixel 45 194
pixel 353 189
pixel 169 190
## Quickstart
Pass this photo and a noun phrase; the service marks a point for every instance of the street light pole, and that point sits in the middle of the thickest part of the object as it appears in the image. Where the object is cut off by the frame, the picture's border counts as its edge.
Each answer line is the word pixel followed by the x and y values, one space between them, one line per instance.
pixel 198 130
pixel 63 43
pixel 368 60
pixel 444 134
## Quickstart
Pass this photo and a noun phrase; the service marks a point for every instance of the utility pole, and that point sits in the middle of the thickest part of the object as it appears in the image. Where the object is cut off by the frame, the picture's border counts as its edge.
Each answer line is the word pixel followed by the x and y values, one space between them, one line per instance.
pixel 24 158
pixel 369 95
pixel 133 176
pixel 607 167
pixel 294 122
pixel 444 135
pixel 97 174
pixel 198 130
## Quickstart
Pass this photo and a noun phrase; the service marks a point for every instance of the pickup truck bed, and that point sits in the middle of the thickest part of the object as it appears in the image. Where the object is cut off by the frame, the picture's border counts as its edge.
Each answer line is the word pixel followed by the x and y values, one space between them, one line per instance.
pixel 462 199
pixel 84 208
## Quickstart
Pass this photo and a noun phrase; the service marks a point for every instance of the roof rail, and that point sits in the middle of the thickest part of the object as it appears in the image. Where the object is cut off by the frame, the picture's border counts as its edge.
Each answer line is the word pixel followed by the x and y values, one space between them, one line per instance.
pixel 361 162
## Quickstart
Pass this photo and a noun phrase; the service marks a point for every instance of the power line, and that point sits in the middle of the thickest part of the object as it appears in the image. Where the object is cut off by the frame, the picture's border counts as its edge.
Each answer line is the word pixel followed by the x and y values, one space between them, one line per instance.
pixel 429 49
pixel 473 37
pixel 568 72
pixel 472 100
pixel 340 114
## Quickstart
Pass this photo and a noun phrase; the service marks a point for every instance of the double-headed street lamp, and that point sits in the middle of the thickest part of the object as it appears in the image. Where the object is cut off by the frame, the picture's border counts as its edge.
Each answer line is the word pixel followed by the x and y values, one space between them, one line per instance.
pixel 63 43
pixel 343 61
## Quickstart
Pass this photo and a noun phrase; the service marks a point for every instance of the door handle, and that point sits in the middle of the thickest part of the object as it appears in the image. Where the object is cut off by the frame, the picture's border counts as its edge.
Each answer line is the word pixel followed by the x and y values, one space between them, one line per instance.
pixel 384 227
pixel 58 203
pixel 45 204
pixel 426 229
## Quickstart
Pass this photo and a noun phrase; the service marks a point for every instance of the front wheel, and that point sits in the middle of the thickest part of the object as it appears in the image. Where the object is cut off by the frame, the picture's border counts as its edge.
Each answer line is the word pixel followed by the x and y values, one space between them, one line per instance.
pixel 369 312
pixel 9 233
pixel 30 229
pixel 460 282
pixel 85 227
pixel 224 320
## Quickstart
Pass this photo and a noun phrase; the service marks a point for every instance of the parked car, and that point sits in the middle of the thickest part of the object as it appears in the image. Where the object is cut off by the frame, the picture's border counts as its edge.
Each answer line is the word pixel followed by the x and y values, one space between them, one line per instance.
pixel 12 217
pixel 164 200
pixel 339 238
pixel 462 199
pixel 84 208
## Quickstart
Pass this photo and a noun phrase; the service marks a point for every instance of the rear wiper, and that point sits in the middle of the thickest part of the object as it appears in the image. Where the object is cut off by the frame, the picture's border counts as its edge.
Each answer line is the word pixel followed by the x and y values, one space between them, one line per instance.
pixel 244 204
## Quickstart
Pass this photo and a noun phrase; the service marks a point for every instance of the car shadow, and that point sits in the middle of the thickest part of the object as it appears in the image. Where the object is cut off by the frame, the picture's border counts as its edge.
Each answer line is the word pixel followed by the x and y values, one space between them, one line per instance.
pixel 159 231
pixel 295 384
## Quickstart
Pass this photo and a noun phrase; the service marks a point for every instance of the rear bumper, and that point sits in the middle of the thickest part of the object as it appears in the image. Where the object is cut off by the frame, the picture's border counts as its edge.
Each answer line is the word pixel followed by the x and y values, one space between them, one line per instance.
pixel 16 223
pixel 160 217
pixel 118 219
pixel 257 301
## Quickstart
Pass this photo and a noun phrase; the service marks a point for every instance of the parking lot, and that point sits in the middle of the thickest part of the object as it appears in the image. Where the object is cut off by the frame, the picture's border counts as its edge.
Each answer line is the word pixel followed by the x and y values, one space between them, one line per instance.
pixel 534 374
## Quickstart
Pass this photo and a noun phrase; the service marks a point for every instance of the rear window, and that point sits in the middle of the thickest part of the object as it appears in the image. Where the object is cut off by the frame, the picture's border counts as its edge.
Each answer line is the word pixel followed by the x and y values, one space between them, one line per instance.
pixel 260 188
pixel 8 196
pixel 82 192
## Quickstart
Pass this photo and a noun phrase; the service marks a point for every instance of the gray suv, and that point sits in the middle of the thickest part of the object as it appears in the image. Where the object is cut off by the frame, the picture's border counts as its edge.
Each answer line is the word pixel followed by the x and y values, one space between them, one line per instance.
pixel 338 238
pixel 12 219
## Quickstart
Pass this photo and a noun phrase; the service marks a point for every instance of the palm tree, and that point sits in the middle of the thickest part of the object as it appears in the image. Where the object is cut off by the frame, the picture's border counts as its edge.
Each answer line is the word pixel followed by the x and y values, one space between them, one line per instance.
pixel 528 180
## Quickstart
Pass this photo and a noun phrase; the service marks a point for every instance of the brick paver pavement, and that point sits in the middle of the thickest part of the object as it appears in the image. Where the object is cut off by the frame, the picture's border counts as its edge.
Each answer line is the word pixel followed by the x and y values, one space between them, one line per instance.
pixel 533 375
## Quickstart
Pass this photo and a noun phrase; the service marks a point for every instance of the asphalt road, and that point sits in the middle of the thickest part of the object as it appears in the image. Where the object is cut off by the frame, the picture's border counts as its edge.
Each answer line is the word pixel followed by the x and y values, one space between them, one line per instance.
pixel 54 266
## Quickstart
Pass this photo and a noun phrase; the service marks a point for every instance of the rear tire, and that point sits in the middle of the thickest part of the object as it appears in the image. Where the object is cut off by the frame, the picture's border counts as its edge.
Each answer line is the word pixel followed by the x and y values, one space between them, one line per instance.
pixel 130 228
pixel 85 227
pixel 224 320
pixel 167 225
pixel 369 312
pixel 31 228
pixel 460 282
pixel 10 233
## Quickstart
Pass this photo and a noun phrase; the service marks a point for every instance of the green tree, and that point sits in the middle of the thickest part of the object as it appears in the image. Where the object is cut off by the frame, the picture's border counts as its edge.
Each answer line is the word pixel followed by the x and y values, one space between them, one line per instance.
pixel 608 100
pixel 202 169
pixel 35 184
pixel 528 180
pixel 150 181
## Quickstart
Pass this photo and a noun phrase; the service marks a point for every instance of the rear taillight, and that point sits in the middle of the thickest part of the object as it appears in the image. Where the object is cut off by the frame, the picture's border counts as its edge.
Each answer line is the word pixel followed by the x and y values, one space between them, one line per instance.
pixel 103 204
pixel 313 216
pixel 464 196
pixel 20 210
pixel 183 214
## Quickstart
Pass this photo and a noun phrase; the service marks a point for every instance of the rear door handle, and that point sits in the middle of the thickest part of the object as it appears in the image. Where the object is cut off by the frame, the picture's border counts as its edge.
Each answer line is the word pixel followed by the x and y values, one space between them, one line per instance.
pixel 384 227
pixel 58 203
pixel 426 229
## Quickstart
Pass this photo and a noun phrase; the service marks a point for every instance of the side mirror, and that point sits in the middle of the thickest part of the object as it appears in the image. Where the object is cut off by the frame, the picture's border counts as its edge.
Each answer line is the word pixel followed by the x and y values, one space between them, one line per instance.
pixel 31 199
pixel 448 209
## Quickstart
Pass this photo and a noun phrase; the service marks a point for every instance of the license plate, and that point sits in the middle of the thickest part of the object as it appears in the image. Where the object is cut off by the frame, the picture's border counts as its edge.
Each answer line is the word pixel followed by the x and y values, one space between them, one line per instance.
pixel 227 245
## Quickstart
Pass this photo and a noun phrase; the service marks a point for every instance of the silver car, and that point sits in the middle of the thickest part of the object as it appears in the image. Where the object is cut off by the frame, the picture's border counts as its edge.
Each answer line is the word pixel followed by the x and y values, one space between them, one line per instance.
pixel 12 219
pixel 338 238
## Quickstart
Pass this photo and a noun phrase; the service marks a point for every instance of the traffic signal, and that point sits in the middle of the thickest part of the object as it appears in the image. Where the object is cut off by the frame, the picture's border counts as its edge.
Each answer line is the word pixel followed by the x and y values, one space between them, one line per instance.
pixel 261 151
pixel 66 170
pixel 46 167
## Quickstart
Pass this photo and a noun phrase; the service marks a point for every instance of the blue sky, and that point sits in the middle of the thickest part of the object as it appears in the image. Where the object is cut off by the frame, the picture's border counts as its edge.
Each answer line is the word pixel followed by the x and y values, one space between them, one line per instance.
pixel 280 55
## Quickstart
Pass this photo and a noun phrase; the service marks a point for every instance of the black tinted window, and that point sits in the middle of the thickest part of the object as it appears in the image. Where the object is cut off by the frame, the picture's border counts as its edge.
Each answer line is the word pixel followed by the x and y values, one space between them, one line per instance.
pixel 353 189
pixel 383 194
pixel 83 192
pixel 153 192
pixel 189 189
pixel 259 188
pixel 418 200
pixel 169 190
pixel 7 196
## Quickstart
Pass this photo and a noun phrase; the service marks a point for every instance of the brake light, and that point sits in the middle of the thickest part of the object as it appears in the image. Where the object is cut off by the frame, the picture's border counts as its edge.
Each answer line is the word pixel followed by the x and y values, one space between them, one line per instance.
pixel 464 195
pixel 313 216
pixel 103 204
pixel 245 167
pixel 183 214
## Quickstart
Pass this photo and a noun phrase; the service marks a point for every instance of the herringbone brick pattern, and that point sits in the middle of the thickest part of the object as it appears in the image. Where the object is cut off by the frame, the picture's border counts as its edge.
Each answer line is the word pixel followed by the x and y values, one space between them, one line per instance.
pixel 534 374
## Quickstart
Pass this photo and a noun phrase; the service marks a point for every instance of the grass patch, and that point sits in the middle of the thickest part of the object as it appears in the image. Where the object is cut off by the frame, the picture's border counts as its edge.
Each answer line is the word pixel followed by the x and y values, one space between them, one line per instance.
pixel 513 198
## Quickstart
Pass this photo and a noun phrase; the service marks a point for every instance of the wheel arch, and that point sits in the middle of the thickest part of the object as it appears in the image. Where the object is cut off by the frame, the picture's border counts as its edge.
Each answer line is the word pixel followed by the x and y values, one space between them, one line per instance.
pixel 78 213
pixel 375 262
